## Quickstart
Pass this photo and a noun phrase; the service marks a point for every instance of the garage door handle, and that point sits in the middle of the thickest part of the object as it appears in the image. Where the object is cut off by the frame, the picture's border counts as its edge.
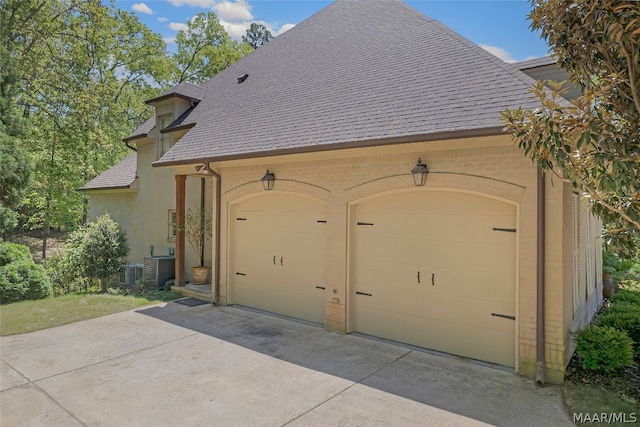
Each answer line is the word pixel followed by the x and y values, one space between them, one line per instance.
pixel 504 316
pixel 274 260
pixel 362 293
pixel 320 287
pixel 281 258
pixel 418 277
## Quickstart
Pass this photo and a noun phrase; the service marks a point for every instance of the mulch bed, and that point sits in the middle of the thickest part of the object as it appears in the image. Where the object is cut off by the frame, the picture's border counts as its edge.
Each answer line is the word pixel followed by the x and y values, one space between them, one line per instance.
pixel 625 382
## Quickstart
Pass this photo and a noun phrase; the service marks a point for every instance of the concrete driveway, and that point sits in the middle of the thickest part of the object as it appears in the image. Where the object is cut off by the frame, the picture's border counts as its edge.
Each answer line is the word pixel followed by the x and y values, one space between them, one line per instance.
pixel 173 365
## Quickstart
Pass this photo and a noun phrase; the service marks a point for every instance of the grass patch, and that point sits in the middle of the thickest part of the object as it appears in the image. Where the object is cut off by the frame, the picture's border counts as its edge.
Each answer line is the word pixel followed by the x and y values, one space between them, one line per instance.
pixel 29 316
pixel 586 399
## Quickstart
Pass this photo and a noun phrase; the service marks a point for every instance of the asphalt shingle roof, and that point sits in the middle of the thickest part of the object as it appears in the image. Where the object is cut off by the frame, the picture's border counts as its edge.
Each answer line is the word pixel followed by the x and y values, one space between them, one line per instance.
pixel 536 62
pixel 143 129
pixel 121 175
pixel 357 73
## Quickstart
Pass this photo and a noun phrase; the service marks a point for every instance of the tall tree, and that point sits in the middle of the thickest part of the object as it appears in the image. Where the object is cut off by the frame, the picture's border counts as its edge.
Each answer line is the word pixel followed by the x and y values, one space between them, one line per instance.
pixel 15 162
pixel 87 69
pixel 594 142
pixel 257 35
pixel 205 49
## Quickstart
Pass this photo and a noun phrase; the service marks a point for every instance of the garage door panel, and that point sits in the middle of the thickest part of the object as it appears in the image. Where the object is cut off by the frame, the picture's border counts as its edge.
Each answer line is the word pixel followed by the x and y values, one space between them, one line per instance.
pixel 448 236
pixel 474 284
pixel 474 256
pixel 280 249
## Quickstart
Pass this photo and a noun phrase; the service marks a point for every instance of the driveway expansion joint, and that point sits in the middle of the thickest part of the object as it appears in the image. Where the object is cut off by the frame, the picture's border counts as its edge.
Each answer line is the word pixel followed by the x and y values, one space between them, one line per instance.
pixel 353 384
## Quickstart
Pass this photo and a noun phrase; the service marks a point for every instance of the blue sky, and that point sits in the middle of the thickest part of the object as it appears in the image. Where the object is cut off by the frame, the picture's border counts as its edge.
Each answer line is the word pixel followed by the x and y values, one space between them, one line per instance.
pixel 499 26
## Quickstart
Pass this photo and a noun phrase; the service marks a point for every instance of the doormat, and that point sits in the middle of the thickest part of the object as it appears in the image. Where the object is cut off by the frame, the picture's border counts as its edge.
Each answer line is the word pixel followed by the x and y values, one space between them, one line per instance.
pixel 190 302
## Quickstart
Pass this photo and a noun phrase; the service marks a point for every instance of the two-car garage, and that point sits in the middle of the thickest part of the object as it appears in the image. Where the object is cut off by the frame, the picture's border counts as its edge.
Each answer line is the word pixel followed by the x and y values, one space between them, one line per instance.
pixel 435 269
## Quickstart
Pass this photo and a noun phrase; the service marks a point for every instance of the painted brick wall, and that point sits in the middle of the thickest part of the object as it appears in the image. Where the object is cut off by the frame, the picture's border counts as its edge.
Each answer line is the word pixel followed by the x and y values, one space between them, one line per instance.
pixel 491 166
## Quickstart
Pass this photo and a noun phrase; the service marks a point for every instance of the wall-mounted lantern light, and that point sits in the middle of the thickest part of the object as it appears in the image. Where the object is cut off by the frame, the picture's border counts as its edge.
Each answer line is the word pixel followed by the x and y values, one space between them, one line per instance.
pixel 267 180
pixel 420 173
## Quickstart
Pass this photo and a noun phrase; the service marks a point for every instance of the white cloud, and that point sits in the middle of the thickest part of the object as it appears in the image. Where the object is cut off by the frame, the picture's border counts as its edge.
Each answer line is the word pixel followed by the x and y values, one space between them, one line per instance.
pixel 499 52
pixel 235 29
pixel 162 19
pixel 233 11
pixel 284 28
pixel 178 26
pixel 169 40
pixel 205 4
pixel 142 8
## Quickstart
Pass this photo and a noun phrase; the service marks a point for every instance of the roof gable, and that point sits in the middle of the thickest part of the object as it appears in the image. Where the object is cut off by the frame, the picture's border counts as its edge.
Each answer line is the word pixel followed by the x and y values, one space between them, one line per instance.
pixel 183 90
pixel 356 73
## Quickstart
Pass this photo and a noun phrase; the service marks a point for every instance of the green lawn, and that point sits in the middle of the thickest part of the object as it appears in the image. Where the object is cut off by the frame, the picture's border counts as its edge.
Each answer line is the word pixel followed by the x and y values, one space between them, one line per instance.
pixel 593 402
pixel 29 316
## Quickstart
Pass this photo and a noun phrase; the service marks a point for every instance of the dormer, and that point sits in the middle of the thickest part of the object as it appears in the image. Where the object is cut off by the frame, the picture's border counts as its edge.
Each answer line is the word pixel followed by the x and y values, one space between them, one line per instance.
pixel 172 108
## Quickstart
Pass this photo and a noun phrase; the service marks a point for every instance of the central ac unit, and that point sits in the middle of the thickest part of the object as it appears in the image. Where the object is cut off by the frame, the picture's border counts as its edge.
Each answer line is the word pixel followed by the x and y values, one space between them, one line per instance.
pixel 129 273
pixel 158 270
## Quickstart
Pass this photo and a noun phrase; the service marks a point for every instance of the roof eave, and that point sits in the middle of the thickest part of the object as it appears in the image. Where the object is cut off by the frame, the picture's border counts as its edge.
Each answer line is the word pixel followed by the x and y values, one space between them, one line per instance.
pixel 440 136
pixel 177 128
pixel 169 96
pixel 119 187
pixel 135 137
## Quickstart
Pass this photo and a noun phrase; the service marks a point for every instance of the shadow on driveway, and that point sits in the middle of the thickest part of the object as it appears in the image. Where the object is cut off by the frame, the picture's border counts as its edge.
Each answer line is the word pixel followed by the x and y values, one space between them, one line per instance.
pixel 449 383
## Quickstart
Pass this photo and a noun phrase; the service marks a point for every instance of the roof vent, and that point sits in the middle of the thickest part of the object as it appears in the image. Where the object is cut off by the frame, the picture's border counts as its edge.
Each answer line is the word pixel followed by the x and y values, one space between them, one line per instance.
pixel 242 78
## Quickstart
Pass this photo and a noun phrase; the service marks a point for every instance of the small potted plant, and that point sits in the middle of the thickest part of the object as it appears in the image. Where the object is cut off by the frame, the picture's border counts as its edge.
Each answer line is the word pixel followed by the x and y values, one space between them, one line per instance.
pixel 197 230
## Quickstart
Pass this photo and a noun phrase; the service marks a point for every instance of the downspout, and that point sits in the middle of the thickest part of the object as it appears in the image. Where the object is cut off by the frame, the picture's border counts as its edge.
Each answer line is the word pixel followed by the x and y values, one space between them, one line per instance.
pixel 540 335
pixel 216 292
pixel 202 219
pixel 129 146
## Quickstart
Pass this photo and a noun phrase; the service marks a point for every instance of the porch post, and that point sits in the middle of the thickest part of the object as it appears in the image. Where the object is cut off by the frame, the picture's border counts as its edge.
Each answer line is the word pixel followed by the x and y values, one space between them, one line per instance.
pixel 181 181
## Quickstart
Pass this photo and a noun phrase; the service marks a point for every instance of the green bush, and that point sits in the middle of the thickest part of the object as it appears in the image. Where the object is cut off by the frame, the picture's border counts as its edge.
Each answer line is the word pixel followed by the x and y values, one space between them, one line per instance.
pixel 624 317
pixel 603 348
pixel 23 280
pixel 13 252
pixel 625 295
pixel 93 253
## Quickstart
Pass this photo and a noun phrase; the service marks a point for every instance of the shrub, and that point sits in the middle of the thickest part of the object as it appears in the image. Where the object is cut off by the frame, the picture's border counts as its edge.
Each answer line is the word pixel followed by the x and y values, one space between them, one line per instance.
pixel 66 270
pixel 23 280
pixel 104 248
pixel 96 251
pixel 624 317
pixel 603 348
pixel 12 252
pixel 625 295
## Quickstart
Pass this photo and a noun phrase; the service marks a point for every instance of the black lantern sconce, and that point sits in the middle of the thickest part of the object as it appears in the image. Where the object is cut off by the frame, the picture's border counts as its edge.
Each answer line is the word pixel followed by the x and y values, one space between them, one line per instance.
pixel 267 180
pixel 420 173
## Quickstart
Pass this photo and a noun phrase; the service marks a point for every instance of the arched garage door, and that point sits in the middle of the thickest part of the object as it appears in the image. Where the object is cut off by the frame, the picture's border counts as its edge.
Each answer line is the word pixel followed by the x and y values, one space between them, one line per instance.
pixel 280 255
pixel 437 270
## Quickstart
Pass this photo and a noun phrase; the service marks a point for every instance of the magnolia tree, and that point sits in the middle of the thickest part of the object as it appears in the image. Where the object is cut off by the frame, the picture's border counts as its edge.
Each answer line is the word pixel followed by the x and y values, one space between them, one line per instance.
pixel 104 248
pixel 594 141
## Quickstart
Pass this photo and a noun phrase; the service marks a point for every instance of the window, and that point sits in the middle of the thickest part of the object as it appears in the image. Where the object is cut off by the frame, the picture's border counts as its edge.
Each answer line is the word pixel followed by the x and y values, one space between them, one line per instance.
pixel 165 141
pixel 172 224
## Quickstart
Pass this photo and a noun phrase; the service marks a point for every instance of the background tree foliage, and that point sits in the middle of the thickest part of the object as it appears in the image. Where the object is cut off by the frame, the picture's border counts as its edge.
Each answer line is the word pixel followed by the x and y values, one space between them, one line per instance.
pixel 86 70
pixel 15 162
pixel 594 141
pixel 257 35
pixel 204 49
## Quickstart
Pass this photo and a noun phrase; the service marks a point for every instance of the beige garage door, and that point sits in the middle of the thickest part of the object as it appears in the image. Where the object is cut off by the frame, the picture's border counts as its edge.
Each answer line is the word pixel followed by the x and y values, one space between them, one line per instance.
pixel 280 255
pixel 437 270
